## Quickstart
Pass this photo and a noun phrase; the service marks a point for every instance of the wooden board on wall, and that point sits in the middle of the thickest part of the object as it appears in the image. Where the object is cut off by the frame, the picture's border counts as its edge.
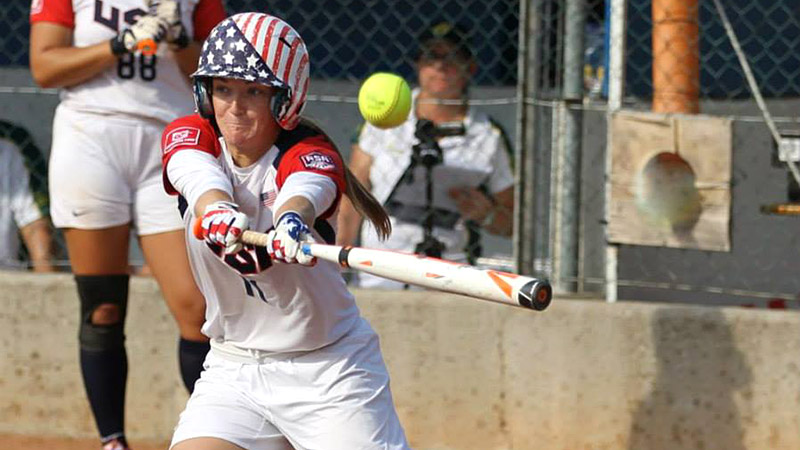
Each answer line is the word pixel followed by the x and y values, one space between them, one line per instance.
pixel 705 143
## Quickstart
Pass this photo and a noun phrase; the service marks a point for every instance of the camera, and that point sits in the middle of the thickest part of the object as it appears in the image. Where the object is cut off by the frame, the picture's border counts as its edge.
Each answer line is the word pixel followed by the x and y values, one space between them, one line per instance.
pixel 428 154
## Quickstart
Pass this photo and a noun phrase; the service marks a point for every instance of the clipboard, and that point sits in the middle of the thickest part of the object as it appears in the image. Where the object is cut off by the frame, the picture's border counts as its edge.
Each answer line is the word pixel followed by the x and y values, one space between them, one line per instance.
pixel 407 201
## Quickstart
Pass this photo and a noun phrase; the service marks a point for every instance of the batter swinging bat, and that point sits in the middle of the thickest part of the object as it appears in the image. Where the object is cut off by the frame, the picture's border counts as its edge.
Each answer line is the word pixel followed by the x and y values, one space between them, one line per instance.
pixel 439 274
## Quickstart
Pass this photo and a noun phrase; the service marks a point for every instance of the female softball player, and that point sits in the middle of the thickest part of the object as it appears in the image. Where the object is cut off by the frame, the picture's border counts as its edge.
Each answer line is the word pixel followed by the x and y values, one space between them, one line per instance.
pixel 292 363
pixel 105 169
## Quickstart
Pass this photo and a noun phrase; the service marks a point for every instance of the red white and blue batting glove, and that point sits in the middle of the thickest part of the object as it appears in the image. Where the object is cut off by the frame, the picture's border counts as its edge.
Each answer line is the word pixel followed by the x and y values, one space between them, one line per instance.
pixel 170 12
pixel 146 28
pixel 287 238
pixel 223 224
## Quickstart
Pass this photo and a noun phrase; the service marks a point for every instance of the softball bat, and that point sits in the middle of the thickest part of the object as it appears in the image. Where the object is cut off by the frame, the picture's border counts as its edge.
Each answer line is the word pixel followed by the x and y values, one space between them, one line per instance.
pixel 782 209
pixel 483 284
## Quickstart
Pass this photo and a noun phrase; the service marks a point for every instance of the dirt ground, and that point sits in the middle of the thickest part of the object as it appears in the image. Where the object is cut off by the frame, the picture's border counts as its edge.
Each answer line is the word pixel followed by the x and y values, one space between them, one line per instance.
pixel 17 442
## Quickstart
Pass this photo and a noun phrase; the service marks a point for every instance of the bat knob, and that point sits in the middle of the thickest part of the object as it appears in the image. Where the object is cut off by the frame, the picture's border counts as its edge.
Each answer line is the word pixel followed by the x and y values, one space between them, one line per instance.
pixel 535 294
pixel 197 229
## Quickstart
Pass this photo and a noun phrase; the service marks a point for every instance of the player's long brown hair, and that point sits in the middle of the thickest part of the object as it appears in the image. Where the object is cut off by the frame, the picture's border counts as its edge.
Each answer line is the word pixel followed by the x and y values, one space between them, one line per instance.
pixel 363 200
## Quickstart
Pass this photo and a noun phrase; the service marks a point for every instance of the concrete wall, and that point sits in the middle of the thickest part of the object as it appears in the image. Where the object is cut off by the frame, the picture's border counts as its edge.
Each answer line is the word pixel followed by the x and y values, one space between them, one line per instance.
pixel 465 374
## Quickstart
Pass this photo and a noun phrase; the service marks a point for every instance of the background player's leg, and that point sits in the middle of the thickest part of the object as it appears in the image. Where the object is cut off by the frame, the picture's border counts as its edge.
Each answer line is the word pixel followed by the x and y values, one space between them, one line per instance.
pixel 98 252
pixel 99 260
pixel 166 256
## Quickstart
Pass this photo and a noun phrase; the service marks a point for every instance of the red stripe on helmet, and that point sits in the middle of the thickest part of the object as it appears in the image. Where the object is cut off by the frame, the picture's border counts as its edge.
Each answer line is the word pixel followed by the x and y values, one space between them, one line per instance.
pixel 256 30
pixel 276 58
pixel 243 26
pixel 264 50
pixel 287 71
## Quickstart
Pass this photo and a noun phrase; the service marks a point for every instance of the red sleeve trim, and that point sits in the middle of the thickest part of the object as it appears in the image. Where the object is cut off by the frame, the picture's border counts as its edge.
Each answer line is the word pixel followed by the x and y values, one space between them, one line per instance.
pixel 207 14
pixel 187 133
pixel 56 11
pixel 314 154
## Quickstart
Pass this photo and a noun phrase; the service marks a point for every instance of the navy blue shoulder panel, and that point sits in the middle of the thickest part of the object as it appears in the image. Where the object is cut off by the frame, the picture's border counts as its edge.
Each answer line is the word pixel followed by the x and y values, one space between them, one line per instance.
pixel 288 139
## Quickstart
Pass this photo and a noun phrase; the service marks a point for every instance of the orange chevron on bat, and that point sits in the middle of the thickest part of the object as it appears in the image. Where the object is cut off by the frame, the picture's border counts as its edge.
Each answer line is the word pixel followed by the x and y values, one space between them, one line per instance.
pixel 500 282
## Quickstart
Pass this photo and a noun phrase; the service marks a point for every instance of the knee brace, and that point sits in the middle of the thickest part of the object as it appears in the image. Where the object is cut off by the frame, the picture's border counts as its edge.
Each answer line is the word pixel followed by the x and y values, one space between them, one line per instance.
pixel 96 290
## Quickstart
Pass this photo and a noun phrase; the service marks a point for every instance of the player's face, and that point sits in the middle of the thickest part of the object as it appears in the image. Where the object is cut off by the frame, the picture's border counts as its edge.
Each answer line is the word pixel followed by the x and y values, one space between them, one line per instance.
pixel 443 72
pixel 242 111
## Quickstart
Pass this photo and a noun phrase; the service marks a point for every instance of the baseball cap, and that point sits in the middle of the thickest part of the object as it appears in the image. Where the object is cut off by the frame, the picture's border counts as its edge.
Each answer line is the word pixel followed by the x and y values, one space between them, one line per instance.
pixel 444 31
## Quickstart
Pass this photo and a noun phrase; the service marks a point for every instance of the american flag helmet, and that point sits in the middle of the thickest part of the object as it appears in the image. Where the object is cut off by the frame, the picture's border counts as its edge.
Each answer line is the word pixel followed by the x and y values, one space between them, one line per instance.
pixel 260 48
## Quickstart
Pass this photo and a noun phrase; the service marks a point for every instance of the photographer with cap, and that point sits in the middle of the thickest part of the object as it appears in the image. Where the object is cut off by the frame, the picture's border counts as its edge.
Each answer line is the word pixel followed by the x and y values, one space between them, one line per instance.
pixel 445 67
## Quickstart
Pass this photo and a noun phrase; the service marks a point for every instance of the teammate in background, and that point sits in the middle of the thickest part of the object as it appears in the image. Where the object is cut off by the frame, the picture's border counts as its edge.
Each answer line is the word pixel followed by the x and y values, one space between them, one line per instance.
pixel 23 202
pixel 379 157
pixel 105 170
pixel 292 362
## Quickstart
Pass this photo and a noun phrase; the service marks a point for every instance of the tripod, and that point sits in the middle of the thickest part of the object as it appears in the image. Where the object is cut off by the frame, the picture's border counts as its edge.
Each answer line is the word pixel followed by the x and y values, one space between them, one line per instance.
pixel 428 154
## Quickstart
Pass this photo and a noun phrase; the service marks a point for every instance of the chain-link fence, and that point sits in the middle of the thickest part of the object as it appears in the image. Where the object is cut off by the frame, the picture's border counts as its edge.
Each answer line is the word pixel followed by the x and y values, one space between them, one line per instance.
pixel 767 31
pixel 577 83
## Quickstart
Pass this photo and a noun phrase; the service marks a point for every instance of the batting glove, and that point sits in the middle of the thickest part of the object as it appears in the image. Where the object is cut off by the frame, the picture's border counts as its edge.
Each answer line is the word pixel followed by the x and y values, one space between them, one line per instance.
pixel 170 12
pixel 146 28
pixel 223 224
pixel 287 238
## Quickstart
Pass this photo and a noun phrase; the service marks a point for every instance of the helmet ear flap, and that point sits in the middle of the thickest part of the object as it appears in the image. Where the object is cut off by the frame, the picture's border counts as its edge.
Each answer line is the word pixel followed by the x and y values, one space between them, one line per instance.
pixel 202 98
pixel 280 104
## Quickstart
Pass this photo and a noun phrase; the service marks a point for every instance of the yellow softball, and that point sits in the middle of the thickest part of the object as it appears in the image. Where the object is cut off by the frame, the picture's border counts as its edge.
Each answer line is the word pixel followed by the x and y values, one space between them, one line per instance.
pixel 384 100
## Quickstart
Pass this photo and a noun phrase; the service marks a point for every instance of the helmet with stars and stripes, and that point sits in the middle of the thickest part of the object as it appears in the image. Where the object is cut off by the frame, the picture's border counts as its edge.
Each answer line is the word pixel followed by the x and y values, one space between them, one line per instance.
pixel 260 48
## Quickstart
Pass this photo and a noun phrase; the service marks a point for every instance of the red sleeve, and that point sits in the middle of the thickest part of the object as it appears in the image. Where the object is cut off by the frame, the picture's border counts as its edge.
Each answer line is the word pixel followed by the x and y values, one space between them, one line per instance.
pixel 57 11
pixel 187 133
pixel 315 154
pixel 207 14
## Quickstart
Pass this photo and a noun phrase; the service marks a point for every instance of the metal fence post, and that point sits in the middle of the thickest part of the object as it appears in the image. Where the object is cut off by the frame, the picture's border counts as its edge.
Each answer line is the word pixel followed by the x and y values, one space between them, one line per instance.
pixel 567 191
pixel 524 189
pixel 616 89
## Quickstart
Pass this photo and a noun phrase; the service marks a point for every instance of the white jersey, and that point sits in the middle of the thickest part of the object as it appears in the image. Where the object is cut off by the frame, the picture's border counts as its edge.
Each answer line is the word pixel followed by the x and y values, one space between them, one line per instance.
pixel 18 205
pixel 253 303
pixel 483 148
pixel 138 85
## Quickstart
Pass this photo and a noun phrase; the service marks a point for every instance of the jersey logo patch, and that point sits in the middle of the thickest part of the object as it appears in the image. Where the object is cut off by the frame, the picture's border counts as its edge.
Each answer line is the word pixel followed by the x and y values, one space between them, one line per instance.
pixel 180 136
pixel 318 161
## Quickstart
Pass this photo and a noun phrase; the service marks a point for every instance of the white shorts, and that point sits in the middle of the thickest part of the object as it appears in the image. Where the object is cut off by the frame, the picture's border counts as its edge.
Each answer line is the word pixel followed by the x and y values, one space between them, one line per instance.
pixel 106 171
pixel 335 398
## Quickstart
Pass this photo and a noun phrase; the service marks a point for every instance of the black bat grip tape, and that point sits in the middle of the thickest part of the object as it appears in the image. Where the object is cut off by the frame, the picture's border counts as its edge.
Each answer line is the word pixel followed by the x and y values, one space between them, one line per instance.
pixel 343 254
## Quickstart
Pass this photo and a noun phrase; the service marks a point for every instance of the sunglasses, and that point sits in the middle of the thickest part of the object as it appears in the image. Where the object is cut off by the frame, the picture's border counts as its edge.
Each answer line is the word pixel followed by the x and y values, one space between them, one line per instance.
pixel 429 56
